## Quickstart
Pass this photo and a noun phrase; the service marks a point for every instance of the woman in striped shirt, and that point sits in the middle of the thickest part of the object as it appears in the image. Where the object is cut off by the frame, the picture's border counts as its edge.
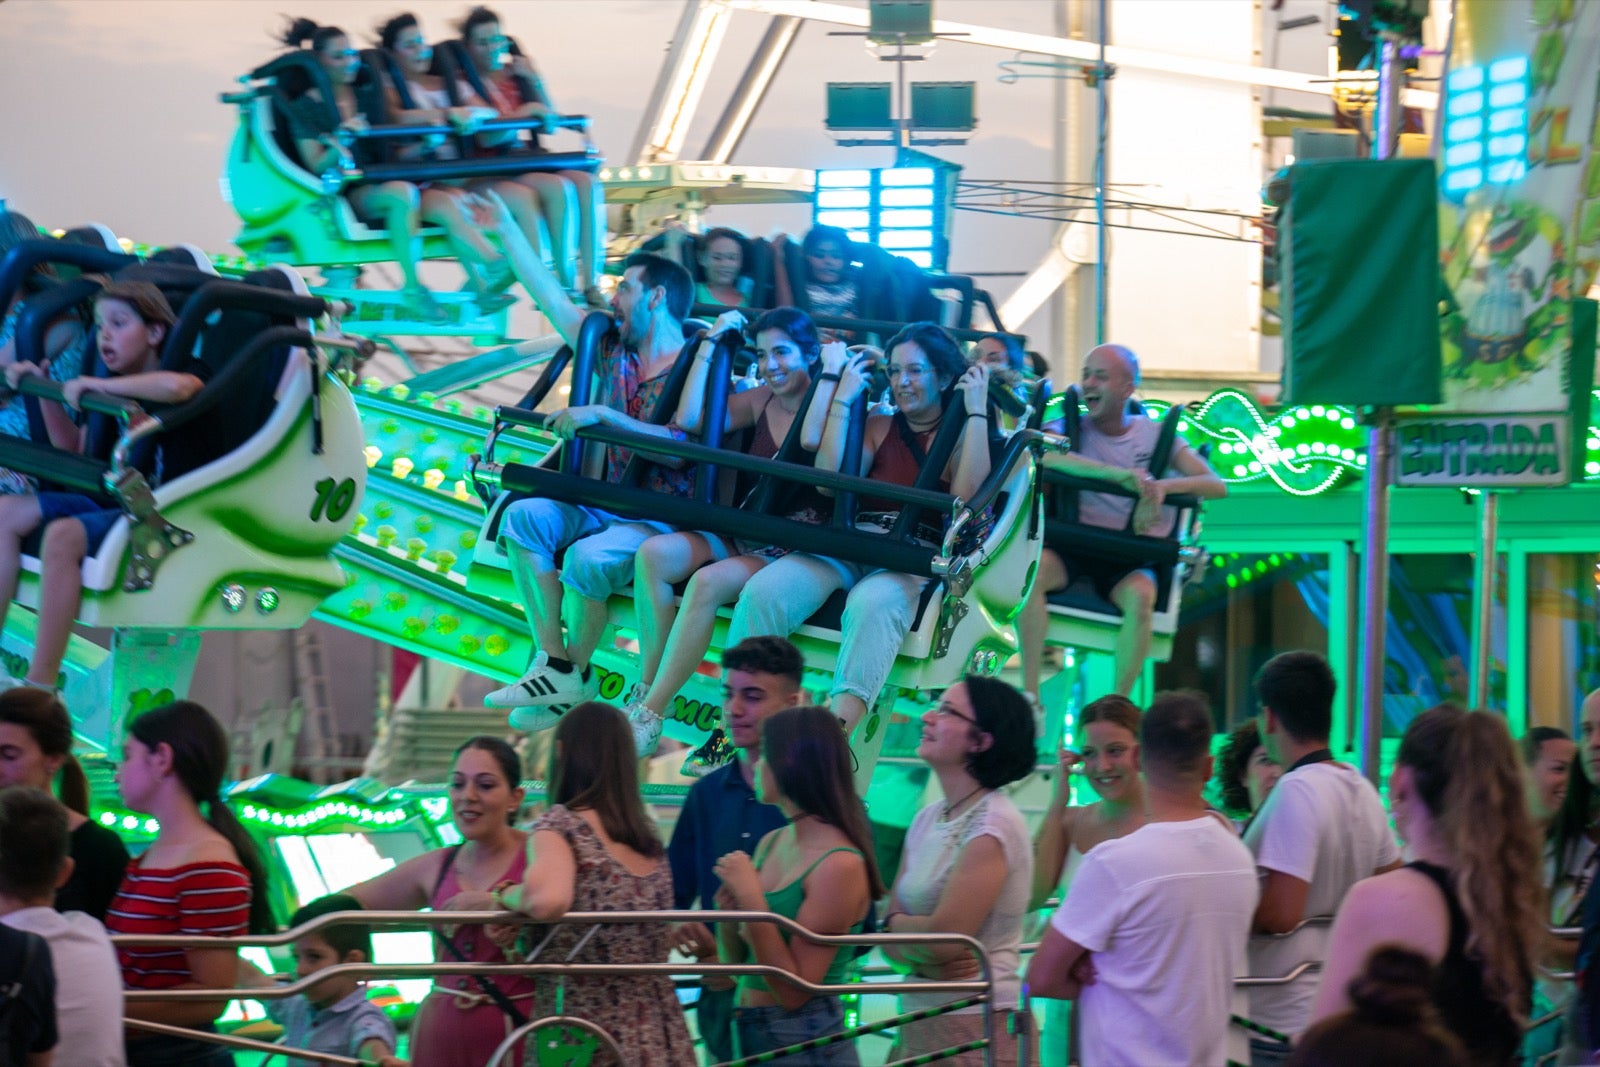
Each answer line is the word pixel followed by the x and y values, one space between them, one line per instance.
pixel 201 876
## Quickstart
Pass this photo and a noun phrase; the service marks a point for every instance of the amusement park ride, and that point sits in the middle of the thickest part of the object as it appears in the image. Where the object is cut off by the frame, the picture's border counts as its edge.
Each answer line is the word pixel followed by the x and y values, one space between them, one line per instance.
pixel 374 506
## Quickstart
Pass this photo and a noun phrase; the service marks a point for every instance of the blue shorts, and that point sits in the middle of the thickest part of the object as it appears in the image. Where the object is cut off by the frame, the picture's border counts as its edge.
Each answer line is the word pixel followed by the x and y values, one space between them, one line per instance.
pixel 97 519
pixel 766 1029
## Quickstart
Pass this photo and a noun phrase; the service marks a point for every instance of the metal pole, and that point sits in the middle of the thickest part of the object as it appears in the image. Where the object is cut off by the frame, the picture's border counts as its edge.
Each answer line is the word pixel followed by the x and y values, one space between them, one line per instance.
pixel 1478 694
pixel 1387 117
pixel 1374 592
pixel 1380 449
pixel 1102 75
pixel 752 89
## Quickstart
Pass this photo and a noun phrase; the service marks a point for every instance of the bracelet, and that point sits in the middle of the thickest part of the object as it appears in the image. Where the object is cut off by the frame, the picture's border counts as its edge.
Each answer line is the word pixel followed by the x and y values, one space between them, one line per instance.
pixel 827 376
pixel 842 402
pixel 977 414
pixel 888 922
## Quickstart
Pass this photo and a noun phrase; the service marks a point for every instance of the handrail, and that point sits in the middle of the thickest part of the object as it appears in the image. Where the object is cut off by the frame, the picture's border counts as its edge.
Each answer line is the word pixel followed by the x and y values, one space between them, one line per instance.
pixel 249 1044
pixel 887 327
pixel 980 988
pixel 120 408
pixel 698 453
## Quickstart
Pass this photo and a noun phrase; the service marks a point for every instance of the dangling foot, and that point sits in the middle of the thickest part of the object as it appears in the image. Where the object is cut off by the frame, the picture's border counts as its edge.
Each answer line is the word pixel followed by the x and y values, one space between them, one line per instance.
pixel 421 303
pixel 709 756
pixel 546 683
pixel 646 727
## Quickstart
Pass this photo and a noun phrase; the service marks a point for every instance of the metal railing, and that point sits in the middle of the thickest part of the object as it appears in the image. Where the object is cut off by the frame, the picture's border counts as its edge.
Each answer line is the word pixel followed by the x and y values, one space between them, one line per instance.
pixel 968 992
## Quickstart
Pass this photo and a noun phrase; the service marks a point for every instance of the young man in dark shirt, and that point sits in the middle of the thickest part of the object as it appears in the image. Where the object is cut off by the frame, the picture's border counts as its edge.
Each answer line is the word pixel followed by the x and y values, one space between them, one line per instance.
pixel 760 676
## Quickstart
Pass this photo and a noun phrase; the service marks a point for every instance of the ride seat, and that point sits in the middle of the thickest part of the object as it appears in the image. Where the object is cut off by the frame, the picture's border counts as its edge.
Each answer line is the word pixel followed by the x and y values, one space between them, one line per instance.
pixel 268 510
pixel 287 214
pixel 1079 616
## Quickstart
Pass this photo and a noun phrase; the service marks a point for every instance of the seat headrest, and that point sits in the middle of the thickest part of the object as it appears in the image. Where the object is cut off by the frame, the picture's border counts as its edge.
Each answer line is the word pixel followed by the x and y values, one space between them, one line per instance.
pixel 92 235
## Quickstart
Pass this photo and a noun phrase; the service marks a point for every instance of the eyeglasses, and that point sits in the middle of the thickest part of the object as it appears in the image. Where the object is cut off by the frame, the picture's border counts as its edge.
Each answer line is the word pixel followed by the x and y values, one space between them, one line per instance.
pixel 949 709
pixel 345 53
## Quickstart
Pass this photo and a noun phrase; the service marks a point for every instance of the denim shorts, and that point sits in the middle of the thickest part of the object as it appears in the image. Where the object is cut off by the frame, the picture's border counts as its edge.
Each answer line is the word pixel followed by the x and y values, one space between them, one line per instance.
pixel 97 519
pixel 758 1030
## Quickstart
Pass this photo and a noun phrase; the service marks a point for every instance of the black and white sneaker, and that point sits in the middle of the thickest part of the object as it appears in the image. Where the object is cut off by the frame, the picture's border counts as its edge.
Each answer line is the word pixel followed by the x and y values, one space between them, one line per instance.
pixel 542 686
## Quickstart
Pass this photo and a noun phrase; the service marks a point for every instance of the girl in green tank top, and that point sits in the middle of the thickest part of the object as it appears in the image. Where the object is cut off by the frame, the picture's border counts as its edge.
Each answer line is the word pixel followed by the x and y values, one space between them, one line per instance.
pixel 819 870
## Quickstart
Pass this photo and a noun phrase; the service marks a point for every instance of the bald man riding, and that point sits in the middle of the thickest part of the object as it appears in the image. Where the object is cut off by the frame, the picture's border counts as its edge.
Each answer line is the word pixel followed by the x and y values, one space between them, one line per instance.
pixel 1115 446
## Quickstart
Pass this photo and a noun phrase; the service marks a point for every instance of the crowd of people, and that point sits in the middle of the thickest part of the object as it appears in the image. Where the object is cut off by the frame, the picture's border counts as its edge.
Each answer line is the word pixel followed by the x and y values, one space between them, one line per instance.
pixel 1163 904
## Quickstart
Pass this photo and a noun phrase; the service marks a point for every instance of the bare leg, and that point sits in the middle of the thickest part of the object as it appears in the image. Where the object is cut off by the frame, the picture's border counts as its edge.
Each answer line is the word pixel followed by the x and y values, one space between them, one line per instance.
pixel 850 709
pixel 711 587
pixel 591 199
pixel 661 562
pixel 586 624
pixel 560 208
pixel 19 517
pixel 442 207
pixel 395 205
pixel 1136 596
pixel 60 594
pixel 523 204
pixel 1034 621
pixel 539 588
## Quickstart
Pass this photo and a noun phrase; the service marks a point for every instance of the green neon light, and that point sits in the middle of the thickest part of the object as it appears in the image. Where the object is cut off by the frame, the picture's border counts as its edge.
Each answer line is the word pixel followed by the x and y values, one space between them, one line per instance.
pixel 1304 450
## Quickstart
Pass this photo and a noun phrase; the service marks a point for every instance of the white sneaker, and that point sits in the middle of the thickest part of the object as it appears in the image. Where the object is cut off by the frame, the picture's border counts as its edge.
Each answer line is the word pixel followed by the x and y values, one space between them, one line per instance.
pixel 646 727
pixel 543 685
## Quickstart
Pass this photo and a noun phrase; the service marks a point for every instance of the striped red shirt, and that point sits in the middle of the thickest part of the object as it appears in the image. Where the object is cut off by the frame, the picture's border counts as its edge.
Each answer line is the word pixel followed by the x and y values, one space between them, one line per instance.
pixel 198 899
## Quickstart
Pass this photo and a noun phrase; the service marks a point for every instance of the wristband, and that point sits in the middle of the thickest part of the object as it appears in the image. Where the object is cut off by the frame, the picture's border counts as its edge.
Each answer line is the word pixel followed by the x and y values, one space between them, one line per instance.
pixel 977 414
pixel 827 376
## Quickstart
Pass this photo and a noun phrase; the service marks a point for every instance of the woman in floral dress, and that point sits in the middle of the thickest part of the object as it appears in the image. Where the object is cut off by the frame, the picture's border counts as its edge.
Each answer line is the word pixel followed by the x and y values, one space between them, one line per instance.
pixel 596 849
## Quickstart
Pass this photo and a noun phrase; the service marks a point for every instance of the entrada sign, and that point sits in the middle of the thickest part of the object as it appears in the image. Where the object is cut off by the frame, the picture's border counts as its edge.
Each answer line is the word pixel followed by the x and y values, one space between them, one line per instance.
pixel 1482 452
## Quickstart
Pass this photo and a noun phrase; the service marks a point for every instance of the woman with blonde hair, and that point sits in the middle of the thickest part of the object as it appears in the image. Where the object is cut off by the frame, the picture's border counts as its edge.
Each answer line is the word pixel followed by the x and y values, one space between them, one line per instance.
pixel 1465 901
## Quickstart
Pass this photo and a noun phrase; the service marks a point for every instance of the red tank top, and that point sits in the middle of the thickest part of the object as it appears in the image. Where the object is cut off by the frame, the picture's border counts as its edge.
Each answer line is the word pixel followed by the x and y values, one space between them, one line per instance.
pixel 895 463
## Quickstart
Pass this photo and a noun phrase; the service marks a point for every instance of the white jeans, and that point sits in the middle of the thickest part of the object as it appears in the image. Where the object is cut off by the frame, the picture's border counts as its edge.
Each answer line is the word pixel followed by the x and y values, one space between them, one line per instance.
pixel 877 614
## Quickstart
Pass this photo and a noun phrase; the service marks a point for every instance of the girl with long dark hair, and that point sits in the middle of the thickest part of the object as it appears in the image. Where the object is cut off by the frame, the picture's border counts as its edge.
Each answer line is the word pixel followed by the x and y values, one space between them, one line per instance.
pixel 819 870
pixel 596 849
pixel 202 876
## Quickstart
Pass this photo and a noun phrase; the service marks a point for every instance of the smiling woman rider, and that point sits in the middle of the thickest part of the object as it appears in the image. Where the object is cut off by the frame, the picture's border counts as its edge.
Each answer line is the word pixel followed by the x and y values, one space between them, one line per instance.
pixel 465 1017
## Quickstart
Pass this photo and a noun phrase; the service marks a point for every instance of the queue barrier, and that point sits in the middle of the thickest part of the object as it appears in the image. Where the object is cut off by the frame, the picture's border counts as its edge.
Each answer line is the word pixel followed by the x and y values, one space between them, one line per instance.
pixel 978 990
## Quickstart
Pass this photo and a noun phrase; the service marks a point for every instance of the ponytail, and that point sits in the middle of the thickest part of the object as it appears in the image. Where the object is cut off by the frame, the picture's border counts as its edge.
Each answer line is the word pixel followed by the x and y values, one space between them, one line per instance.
pixel 199 760
pixel 222 819
pixel 41 713
pixel 74 786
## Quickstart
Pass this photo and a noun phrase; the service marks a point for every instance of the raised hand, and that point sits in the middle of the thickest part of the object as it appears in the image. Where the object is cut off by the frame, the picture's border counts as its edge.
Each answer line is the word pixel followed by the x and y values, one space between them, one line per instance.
pixel 853 379
pixel 834 356
pixel 974 386
pixel 732 319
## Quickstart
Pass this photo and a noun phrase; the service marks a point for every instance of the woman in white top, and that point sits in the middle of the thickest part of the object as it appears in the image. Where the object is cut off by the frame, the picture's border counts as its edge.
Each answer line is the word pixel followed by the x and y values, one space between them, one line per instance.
pixel 1107 754
pixel 966 867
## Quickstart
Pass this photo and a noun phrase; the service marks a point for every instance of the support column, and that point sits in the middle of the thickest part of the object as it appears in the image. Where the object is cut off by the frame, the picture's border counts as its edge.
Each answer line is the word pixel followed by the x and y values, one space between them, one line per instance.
pixel 1483 588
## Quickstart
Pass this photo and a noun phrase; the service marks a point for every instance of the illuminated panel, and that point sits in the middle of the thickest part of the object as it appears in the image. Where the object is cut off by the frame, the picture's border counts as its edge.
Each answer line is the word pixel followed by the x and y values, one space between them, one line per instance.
pixel 1485 126
pixel 894 208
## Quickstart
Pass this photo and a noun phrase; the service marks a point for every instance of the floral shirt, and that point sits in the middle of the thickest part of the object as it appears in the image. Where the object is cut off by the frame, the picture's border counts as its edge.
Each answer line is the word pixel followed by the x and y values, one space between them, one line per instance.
pixel 622 388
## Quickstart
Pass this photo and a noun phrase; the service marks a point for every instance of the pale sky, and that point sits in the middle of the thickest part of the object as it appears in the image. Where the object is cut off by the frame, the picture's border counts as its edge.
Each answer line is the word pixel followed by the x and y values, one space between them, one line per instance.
pixel 110 114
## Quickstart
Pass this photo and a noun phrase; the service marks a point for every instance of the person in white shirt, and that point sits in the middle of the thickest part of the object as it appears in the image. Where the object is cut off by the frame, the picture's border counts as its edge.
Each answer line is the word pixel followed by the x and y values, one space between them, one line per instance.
pixel 966 867
pixel 1152 932
pixel 1321 830
pixel 33 862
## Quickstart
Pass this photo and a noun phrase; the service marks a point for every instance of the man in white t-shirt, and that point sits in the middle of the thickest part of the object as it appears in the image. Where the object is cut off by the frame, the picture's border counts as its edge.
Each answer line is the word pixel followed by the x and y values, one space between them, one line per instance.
pixel 1321 830
pixel 33 863
pixel 1152 933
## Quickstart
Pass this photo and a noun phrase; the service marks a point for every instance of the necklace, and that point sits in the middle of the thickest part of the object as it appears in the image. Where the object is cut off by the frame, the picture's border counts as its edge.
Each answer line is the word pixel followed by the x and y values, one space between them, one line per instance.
pixel 929 428
pixel 949 809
